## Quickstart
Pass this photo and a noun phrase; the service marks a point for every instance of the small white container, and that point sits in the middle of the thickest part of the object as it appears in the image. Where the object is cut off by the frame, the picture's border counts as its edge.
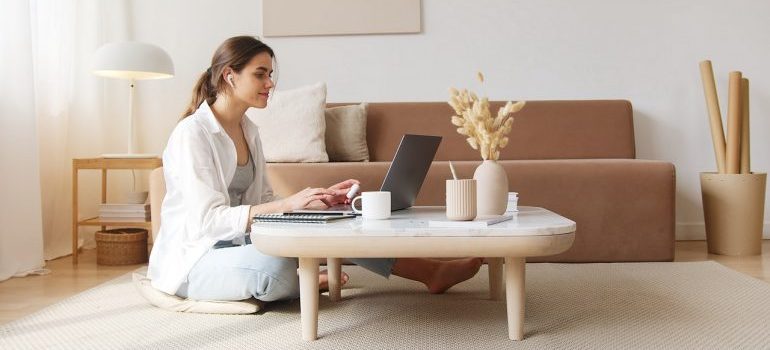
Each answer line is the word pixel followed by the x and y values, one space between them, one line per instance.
pixel 513 202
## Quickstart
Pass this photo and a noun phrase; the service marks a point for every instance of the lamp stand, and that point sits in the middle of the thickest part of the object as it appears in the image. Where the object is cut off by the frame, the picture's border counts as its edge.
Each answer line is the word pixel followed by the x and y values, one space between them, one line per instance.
pixel 130 154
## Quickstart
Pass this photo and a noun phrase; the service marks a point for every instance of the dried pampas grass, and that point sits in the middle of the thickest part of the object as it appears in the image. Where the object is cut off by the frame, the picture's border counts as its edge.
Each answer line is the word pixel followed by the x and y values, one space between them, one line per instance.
pixel 474 120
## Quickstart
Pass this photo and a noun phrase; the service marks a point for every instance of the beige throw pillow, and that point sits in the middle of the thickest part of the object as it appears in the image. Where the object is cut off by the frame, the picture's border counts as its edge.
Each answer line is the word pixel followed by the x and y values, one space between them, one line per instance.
pixel 292 126
pixel 346 133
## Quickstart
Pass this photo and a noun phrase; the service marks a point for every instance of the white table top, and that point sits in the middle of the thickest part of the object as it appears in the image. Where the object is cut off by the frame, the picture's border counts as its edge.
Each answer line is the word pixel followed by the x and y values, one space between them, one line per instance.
pixel 413 222
pixel 533 232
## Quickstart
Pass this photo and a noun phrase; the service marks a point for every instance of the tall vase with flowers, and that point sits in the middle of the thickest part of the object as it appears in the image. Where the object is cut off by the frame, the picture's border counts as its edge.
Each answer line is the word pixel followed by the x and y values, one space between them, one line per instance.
pixel 487 134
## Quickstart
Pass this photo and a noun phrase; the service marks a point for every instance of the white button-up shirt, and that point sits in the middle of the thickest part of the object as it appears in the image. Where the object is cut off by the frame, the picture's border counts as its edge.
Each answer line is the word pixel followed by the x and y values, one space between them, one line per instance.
pixel 198 165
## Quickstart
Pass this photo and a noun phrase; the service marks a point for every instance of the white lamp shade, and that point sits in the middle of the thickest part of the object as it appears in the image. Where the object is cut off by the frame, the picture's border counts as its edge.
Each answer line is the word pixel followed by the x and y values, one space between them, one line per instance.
pixel 132 60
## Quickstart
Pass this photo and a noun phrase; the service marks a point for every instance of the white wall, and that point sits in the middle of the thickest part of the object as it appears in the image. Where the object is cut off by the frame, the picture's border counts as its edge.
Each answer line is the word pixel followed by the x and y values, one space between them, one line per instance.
pixel 644 51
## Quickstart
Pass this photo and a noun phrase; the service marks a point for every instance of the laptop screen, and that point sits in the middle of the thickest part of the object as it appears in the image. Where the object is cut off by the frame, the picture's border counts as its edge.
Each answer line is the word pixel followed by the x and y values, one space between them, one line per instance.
pixel 408 170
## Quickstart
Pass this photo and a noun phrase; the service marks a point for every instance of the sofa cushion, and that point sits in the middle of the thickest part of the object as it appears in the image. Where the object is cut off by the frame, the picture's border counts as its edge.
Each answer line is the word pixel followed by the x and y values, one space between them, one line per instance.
pixel 293 125
pixel 346 133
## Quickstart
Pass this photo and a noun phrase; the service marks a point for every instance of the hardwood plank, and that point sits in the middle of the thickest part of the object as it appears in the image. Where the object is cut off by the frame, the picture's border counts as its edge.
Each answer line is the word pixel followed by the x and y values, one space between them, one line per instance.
pixel 23 296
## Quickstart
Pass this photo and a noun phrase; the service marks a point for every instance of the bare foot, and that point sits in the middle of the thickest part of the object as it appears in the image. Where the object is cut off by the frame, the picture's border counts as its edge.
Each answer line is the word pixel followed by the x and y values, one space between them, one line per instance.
pixel 323 280
pixel 449 273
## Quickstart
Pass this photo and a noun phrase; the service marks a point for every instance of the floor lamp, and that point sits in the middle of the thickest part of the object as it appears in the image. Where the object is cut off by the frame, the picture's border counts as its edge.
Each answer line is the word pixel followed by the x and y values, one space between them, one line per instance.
pixel 132 61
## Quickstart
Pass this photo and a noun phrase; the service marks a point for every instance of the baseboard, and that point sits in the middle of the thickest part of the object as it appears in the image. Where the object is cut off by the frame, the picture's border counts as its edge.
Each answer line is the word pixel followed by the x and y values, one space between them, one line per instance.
pixel 696 231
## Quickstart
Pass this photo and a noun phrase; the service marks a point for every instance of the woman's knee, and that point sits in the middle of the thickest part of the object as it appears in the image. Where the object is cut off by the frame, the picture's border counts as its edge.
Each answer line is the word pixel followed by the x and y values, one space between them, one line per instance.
pixel 280 281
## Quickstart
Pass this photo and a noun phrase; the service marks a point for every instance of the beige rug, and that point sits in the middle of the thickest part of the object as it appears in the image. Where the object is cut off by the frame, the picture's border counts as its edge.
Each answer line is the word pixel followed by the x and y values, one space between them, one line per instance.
pixel 580 306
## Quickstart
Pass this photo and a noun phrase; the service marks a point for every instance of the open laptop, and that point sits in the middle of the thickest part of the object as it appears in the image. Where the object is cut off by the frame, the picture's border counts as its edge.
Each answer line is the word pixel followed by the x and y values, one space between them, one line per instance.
pixel 405 176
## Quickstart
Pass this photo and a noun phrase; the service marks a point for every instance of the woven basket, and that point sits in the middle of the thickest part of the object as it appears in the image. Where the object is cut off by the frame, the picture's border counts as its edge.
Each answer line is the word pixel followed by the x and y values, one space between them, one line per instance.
pixel 121 246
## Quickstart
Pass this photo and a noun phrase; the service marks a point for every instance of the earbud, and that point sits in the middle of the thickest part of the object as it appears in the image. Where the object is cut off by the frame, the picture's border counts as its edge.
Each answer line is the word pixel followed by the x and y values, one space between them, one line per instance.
pixel 230 80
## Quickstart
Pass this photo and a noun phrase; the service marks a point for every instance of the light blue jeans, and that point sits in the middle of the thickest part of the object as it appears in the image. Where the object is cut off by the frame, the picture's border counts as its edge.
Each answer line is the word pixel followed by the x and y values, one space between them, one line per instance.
pixel 232 272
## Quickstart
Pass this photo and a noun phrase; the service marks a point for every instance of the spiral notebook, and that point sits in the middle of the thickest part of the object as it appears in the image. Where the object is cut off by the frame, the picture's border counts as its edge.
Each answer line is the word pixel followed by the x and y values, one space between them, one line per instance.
pixel 299 218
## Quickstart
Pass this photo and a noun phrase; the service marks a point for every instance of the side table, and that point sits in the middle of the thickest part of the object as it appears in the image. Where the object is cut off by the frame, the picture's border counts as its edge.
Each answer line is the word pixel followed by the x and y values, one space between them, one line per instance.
pixel 104 164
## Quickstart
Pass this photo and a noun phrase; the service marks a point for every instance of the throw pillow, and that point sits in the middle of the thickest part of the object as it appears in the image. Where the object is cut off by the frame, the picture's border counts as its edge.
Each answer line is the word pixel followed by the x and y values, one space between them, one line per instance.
pixel 174 303
pixel 292 126
pixel 346 133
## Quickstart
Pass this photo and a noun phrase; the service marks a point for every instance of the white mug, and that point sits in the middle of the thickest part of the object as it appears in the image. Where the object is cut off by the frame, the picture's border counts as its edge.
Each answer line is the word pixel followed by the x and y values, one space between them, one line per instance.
pixel 374 205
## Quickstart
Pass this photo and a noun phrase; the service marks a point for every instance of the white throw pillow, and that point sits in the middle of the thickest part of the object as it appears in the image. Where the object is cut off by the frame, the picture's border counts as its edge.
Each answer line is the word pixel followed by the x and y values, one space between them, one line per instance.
pixel 292 126
pixel 175 303
pixel 346 133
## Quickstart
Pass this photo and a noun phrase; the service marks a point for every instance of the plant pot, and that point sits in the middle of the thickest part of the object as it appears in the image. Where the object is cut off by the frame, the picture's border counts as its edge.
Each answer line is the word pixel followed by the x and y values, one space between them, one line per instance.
pixel 491 188
pixel 733 208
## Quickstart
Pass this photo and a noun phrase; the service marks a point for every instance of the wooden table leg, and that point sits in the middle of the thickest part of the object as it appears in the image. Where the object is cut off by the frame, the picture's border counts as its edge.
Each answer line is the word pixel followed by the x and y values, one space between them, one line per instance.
pixel 334 266
pixel 514 294
pixel 308 297
pixel 104 190
pixel 74 213
pixel 495 278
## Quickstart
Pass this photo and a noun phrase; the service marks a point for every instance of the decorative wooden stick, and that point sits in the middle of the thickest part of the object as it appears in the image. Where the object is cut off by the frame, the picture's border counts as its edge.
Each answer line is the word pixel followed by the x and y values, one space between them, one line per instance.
pixel 734 124
pixel 745 148
pixel 715 116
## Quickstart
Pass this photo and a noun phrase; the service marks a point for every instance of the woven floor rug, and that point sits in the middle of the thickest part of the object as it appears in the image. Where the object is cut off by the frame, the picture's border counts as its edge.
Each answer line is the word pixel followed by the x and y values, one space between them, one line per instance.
pixel 575 306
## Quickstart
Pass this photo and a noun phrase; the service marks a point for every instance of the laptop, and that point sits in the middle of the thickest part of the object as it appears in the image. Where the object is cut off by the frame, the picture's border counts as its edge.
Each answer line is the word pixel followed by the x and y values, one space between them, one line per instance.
pixel 405 175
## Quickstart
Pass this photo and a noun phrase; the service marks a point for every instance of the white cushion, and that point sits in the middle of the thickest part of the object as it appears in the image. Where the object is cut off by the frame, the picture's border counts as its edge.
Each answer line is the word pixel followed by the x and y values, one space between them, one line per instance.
pixel 346 133
pixel 292 126
pixel 175 303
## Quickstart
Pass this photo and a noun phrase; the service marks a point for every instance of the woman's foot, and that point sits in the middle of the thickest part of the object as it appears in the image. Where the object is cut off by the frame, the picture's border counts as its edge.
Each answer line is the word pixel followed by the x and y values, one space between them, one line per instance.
pixel 437 275
pixel 449 273
pixel 323 280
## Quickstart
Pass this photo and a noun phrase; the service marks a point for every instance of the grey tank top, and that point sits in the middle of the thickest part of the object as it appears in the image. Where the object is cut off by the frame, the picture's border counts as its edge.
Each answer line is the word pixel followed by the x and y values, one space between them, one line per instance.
pixel 243 178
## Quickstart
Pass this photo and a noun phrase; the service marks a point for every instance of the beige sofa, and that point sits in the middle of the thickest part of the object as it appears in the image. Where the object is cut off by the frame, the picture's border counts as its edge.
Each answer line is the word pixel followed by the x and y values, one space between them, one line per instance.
pixel 576 158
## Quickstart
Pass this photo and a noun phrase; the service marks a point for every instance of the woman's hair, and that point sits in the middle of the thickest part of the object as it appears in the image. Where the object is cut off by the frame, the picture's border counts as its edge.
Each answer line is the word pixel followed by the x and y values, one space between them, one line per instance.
pixel 235 53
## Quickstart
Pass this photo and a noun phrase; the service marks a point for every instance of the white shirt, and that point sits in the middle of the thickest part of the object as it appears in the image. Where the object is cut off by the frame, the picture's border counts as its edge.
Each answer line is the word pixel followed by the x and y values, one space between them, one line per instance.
pixel 198 164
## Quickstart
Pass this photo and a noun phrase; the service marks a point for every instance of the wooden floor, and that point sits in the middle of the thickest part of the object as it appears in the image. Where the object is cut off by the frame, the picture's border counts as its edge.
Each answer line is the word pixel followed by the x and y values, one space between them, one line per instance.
pixel 23 296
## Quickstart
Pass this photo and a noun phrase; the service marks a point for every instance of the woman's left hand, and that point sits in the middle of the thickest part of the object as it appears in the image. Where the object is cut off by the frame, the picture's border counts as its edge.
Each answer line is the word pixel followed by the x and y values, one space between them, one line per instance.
pixel 340 191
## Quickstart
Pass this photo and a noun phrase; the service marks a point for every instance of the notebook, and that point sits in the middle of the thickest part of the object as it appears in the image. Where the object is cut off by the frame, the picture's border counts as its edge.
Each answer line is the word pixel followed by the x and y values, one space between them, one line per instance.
pixel 299 218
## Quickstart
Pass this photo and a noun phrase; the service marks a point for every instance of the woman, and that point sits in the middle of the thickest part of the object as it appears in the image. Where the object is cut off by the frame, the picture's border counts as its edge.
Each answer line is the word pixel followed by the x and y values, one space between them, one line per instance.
pixel 215 180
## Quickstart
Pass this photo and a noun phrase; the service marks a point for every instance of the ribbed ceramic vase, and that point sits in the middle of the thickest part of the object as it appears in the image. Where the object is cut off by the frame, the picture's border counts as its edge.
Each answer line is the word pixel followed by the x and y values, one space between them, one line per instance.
pixel 491 188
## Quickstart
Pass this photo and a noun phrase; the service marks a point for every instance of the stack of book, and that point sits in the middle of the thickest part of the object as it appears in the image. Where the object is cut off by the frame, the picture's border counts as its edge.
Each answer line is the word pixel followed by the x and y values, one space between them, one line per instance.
pixel 125 212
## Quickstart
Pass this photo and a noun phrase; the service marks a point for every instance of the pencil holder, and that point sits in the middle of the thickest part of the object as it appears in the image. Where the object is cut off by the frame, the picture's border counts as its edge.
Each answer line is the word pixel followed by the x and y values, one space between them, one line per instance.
pixel 733 207
pixel 461 199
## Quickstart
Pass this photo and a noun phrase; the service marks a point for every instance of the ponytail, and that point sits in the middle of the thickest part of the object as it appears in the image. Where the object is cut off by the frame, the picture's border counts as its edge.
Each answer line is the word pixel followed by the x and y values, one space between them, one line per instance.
pixel 203 91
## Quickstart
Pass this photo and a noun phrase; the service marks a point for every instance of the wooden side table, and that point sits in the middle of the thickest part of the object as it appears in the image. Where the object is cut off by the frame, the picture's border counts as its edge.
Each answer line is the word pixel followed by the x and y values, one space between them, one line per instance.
pixel 104 164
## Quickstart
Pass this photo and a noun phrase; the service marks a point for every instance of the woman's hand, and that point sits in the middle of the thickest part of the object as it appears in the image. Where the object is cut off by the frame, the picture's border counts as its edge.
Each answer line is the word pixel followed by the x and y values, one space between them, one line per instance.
pixel 301 199
pixel 339 192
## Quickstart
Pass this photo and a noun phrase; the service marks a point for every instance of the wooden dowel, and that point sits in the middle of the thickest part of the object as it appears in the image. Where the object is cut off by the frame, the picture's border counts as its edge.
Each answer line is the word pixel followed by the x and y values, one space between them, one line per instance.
pixel 734 124
pixel 745 147
pixel 715 116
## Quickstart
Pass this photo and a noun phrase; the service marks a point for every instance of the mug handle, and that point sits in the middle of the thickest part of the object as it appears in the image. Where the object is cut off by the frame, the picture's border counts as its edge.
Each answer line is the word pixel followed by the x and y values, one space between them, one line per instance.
pixel 353 205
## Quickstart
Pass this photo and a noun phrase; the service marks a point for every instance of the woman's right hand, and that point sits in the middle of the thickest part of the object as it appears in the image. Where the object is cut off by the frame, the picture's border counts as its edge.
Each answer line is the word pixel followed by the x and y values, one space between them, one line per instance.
pixel 301 199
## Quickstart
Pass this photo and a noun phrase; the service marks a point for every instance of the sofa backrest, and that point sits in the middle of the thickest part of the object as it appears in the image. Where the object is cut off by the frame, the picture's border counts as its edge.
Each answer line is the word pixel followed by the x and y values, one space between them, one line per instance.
pixel 542 130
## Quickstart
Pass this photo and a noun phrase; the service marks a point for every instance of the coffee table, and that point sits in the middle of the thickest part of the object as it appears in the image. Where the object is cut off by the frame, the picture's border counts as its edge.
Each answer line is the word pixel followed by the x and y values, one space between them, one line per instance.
pixel 532 232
